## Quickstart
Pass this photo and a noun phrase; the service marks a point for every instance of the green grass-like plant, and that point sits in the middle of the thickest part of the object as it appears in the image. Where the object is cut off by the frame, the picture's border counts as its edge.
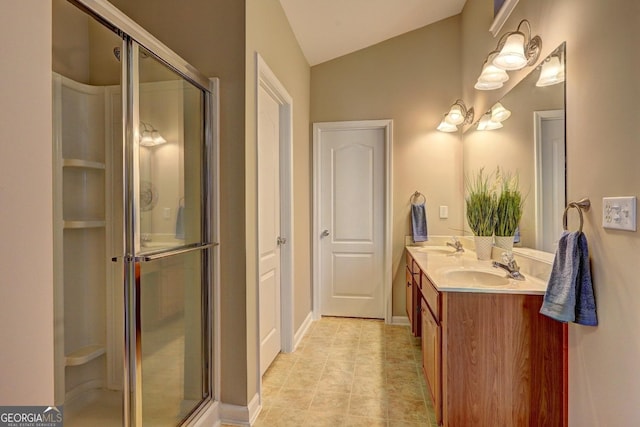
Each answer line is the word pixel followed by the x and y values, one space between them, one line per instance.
pixel 481 203
pixel 509 206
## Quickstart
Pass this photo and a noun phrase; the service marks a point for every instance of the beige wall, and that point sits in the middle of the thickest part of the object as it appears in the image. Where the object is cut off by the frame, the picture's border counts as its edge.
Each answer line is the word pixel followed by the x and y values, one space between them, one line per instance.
pixel 412 79
pixel 602 160
pixel 210 35
pixel 71 45
pixel 26 212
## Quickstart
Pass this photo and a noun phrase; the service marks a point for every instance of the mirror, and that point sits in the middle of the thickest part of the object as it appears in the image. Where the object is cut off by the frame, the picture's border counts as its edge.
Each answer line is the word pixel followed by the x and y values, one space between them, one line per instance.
pixel 531 143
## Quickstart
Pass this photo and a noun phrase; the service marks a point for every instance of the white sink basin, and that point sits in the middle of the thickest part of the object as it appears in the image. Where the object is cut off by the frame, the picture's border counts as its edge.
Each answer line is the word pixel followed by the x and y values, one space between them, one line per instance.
pixel 475 277
pixel 436 249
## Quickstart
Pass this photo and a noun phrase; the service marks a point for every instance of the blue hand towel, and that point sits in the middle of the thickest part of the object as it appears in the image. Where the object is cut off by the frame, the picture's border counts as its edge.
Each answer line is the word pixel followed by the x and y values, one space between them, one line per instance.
pixel 419 222
pixel 569 296
pixel 585 300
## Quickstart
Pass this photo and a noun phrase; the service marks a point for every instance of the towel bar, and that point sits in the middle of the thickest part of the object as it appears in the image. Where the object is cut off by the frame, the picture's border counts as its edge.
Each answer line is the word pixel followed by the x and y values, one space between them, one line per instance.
pixel 580 205
pixel 415 198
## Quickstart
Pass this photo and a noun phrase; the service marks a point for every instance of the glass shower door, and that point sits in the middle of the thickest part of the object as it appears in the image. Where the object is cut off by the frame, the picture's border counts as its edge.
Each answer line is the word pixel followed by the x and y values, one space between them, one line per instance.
pixel 168 235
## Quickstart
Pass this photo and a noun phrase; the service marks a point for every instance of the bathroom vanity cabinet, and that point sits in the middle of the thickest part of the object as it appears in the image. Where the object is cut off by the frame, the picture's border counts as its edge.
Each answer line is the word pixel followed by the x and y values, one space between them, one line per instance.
pixel 490 359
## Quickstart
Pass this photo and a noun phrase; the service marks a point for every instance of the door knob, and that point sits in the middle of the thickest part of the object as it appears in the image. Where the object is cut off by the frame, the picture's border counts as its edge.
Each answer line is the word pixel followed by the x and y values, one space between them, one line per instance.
pixel 281 240
pixel 325 233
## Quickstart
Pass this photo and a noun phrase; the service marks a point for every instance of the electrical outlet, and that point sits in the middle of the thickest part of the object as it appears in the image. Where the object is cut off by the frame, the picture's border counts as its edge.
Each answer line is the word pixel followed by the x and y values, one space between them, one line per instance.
pixel 619 213
pixel 444 212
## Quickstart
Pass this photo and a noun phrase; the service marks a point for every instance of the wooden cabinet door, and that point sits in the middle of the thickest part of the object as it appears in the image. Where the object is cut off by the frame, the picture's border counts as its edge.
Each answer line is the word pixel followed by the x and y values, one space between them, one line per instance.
pixel 431 352
pixel 409 297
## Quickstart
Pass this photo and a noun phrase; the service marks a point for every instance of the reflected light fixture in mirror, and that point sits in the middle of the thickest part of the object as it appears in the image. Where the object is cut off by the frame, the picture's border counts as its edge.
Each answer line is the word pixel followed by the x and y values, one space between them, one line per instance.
pixel 552 71
pixel 499 113
pixel 487 123
pixel 458 114
pixel 150 136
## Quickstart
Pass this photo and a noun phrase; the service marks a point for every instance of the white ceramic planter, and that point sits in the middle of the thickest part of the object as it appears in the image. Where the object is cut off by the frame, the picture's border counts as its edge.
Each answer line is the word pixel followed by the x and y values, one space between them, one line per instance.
pixel 483 246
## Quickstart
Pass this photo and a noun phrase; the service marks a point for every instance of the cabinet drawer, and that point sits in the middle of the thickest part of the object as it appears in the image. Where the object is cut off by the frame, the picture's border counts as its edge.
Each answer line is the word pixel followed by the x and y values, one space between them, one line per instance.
pixel 431 295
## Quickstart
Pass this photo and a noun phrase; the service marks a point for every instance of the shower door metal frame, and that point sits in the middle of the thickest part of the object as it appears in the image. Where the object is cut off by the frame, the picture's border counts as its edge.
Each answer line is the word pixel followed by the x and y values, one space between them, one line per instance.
pixel 134 36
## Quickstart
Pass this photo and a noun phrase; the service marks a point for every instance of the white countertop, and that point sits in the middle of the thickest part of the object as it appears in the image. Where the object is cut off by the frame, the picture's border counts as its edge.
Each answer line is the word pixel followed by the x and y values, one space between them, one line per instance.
pixel 437 261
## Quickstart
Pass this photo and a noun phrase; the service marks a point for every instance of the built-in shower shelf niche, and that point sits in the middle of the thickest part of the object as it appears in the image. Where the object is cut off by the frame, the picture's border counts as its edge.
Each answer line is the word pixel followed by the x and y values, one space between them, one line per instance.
pixel 80 163
pixel 82 221
pixel 84 355
pixel 84 224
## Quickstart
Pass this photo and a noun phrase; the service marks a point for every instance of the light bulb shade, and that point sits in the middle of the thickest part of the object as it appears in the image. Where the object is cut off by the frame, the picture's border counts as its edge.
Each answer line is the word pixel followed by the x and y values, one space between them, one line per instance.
pixel 488 85
pixel 491 73
pixel 147 140
pixel 512 56
pixel 487 124
pixel 499 113
pixel 157 138
pixel 150 136
pixel 456 115
pixel 552 72
pixel 445 126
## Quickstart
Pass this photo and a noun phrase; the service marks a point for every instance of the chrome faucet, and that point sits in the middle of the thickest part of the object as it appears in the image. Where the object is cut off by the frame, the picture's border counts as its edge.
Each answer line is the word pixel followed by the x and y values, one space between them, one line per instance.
pixel 510 265
pixel 456 244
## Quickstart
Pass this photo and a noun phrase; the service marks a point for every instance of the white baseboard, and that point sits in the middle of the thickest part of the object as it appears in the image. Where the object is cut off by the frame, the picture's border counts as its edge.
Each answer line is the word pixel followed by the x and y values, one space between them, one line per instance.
pixel 237 415
pixel 302 330
pixel 400 320
pixel 210 417
pixel 255 407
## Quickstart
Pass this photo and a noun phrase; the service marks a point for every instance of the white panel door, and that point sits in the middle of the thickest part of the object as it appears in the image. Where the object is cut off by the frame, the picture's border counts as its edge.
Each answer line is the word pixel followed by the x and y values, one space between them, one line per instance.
pixel 352 222
pixel 269 227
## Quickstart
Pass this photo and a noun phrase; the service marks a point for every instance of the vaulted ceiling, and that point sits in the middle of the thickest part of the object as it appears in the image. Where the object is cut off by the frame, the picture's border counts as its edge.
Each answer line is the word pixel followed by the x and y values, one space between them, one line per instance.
pixel 327 29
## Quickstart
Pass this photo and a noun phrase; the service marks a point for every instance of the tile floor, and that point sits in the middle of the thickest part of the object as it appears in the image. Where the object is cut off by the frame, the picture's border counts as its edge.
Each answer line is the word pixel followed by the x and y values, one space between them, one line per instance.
pixel 348 372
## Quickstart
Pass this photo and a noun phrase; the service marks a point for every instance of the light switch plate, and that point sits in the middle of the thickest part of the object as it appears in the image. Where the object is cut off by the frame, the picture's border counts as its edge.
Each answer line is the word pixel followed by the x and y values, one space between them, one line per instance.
pixel 619 213
pixel 444 212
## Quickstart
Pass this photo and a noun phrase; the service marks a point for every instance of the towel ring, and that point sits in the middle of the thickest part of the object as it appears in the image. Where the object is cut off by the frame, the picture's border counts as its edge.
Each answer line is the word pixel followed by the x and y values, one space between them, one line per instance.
pixel 415 198
pixel 580 205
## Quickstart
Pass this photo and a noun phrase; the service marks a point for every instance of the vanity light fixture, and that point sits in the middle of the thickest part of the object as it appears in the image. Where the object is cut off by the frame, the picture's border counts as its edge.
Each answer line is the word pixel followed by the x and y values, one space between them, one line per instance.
pixel 150 136
pixel 499 113
pixel 486 123
pixel 445 126
pixel 518 49
pixel 552 71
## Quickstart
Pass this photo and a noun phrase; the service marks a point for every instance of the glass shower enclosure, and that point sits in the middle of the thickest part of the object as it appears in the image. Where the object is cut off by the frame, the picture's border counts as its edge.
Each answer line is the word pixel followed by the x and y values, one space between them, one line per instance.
pixel 133 213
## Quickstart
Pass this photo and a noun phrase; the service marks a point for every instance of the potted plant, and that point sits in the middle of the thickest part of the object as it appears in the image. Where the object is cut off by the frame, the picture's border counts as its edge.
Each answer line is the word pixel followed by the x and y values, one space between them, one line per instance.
pixel 481 204
pixel 508 210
